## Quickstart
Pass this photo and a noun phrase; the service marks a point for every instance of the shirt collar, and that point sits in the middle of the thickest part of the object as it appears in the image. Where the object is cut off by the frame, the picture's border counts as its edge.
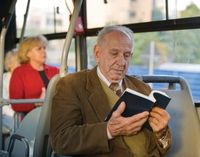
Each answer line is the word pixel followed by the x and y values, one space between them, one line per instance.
pixel 105 80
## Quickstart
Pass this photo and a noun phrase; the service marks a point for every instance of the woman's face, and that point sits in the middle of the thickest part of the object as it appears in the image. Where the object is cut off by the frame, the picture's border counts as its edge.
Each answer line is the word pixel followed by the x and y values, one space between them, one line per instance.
pixel 37 54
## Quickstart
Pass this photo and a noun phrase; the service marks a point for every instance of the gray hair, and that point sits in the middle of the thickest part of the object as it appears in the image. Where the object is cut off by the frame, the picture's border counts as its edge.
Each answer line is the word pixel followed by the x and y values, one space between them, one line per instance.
pixel 10 55
pixel 125 30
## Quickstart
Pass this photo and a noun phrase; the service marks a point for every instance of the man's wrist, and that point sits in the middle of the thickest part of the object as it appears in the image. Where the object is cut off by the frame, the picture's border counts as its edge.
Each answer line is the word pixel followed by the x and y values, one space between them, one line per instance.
pixel 163 138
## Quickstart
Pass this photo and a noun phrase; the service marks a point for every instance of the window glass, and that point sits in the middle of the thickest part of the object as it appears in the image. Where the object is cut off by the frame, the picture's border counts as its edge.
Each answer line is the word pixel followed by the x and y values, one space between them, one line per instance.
pixel 46 16
pixel 91 41
pixel 168 53
pixel 165 53
pixel 183 9
pixel 136 11
pixel 54 54
pixel 130 11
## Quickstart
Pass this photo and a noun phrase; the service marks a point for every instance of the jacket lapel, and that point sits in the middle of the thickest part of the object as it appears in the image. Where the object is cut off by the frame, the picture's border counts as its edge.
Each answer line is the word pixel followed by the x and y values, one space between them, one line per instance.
pixel 128 84
pixel 136 84
pixel 97 97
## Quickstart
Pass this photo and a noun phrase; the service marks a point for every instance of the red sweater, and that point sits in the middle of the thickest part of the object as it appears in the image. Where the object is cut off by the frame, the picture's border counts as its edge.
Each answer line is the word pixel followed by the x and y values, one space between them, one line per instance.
pixel 26 83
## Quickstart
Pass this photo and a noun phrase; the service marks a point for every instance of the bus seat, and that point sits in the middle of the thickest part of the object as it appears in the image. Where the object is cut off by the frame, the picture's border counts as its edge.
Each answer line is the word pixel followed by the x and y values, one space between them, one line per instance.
pixel 18 116
pixel 27 130
pixel 42 147
pixel 184 123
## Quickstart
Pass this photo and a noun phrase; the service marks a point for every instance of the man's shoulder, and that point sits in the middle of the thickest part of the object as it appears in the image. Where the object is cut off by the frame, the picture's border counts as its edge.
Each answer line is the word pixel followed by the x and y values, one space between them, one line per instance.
pixel 77 80
pixel 137 83
pixel 134 78
pixel 77 76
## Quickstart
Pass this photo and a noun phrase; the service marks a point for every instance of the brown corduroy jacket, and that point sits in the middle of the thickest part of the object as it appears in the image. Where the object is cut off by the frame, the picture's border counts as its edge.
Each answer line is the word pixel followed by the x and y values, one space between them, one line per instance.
pixel 79 108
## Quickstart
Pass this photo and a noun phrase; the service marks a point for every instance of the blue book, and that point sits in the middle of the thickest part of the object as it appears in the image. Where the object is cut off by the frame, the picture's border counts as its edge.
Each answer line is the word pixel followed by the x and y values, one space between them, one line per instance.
pixel 137 102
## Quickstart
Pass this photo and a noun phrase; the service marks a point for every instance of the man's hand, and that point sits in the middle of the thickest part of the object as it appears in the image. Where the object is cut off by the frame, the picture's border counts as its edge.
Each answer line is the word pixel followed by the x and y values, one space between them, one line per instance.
pixel 159 119
pixel 118 125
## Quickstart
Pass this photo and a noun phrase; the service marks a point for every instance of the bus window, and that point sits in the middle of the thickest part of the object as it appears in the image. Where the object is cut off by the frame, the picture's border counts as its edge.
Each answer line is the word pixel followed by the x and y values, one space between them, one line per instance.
pixel 91 41
pixel 168 53
pixel 48 17
pixel 132 11
pixel 164 53
pixel 183 9
pixel 54 54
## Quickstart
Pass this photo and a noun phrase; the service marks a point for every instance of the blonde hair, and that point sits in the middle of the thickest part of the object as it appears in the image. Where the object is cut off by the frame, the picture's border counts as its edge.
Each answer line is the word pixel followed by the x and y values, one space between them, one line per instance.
pixel 10 55
pixel 27 44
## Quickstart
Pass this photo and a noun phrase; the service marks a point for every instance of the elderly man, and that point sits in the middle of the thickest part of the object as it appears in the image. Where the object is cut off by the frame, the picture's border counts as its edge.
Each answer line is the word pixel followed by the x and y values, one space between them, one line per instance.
pixel 83 100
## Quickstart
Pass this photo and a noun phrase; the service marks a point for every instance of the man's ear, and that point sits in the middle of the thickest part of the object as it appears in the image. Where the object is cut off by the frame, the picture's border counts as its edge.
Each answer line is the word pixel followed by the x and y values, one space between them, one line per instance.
pixel 96 53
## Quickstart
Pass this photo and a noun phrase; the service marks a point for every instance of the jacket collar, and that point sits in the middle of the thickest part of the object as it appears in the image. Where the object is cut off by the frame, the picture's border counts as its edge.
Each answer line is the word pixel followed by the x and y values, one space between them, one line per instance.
pixel 97 98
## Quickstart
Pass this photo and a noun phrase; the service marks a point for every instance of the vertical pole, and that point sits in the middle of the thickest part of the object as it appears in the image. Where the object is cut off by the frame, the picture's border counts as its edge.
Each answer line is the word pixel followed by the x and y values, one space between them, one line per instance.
pixel 5 25
pixel 2 43
pixel 69 36
pixel 166 9
pixel 151 57
pixel 25 20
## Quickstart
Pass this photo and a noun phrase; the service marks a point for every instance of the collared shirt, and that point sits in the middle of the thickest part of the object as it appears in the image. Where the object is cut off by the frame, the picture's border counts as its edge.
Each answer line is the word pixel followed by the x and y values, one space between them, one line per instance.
pixel 106 81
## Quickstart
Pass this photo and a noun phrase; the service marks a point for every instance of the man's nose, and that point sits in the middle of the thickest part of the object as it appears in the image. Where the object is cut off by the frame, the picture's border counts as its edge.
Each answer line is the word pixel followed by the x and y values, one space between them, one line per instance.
pixel 121 59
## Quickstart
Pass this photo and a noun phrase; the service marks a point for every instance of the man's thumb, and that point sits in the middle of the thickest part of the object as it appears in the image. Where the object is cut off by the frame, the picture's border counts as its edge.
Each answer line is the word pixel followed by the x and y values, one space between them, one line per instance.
pixel 121 108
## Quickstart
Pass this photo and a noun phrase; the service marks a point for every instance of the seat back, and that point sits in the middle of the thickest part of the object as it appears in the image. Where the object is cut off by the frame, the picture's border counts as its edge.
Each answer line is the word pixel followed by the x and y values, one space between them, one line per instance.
pixel 184 123
pixel 26 131
pixel 35 127
pixel 42 145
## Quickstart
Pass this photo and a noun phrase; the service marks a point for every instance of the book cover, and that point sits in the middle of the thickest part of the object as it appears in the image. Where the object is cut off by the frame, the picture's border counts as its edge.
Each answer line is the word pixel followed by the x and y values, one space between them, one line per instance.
pixel 137 102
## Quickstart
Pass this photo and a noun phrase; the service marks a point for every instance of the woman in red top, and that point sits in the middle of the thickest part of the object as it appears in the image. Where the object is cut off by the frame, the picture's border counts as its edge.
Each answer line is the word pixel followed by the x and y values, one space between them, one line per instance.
pixel 30 80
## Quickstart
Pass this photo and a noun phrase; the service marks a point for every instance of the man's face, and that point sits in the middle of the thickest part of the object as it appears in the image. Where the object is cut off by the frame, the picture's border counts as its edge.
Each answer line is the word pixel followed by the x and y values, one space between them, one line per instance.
pixel 113 55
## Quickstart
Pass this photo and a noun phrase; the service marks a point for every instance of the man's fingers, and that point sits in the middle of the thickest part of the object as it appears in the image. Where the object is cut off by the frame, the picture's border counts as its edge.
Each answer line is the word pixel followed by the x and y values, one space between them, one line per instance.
pixel 120 109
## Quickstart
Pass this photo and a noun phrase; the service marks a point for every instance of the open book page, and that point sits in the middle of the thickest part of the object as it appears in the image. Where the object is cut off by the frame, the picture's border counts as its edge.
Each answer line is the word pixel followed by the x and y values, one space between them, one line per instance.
pixel 151 98
pixel 161 98
pixel 135 103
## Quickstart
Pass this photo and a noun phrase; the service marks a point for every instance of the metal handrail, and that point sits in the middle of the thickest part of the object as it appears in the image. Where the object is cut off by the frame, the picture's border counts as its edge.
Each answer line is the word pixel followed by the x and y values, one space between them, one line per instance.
pixel 69 36
pixel 6 23
pixel 25 20
pixel 19 101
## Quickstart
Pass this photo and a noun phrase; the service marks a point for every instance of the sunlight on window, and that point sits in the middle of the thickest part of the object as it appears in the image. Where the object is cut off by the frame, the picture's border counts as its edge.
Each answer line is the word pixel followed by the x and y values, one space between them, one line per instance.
pixel 43 18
